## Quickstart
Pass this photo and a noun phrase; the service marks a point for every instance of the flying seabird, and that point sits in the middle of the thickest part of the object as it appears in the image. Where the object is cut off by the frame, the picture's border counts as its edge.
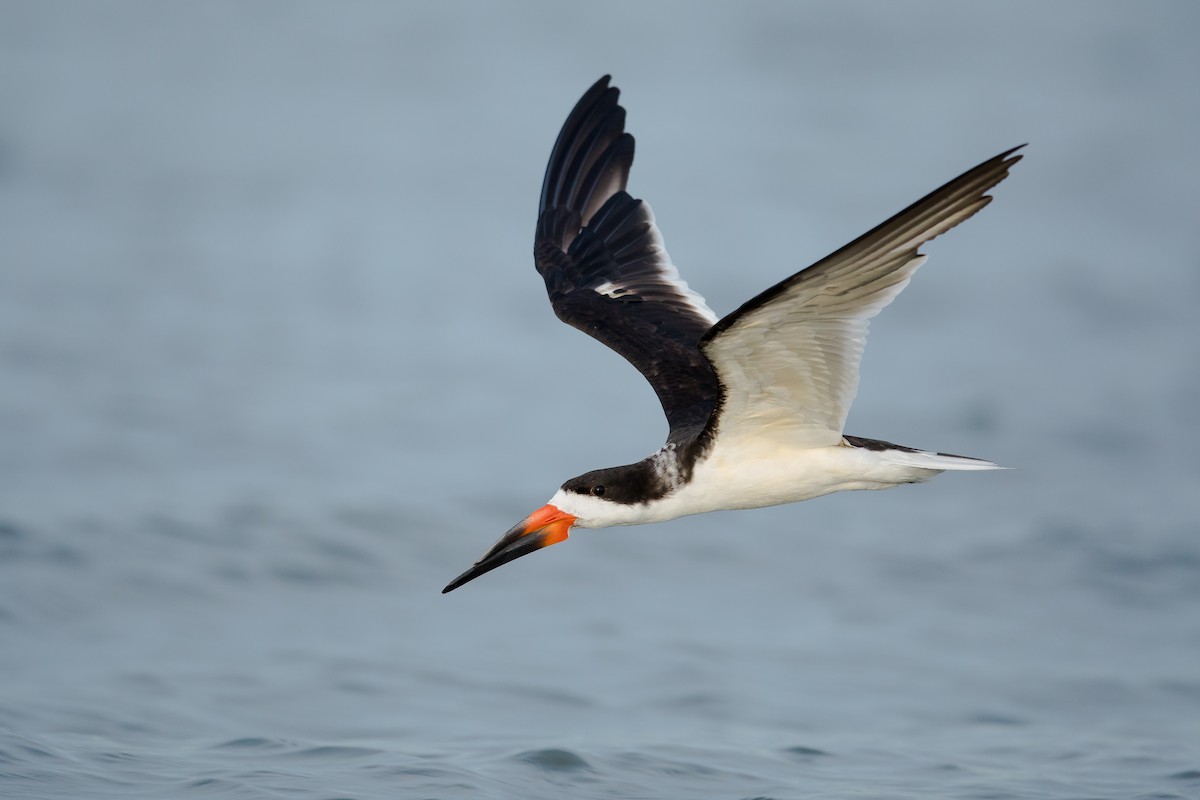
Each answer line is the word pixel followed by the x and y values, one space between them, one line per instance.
pixel 756 401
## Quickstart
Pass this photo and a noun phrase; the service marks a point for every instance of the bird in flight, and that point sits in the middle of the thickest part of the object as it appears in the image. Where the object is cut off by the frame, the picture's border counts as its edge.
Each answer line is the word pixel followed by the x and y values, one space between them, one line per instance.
pixel 756 400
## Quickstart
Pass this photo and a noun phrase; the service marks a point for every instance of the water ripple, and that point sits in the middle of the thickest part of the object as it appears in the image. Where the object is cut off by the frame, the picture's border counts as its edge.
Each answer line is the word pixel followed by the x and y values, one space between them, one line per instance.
pixel 553 759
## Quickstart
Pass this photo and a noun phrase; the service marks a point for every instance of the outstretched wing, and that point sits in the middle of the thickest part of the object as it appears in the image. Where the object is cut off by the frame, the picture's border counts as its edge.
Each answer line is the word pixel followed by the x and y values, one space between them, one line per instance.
pixel 606 270
pixel 788 359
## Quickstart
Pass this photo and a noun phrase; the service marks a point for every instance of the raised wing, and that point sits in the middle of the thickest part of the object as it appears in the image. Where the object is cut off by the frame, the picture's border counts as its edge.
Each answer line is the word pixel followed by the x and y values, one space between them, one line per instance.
pixel 606 270
pixel 788 359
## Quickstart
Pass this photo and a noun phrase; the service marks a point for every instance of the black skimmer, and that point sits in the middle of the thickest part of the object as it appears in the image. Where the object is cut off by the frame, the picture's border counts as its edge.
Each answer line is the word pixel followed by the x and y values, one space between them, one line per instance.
pixel 755 400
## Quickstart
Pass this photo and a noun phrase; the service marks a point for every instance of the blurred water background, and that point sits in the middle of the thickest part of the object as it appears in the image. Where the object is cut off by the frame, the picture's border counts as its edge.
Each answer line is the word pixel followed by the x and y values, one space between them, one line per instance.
pixel 275 365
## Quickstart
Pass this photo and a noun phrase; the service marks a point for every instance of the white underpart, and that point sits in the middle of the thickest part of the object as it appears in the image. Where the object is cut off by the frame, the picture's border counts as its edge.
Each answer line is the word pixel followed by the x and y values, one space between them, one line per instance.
pixel 765 473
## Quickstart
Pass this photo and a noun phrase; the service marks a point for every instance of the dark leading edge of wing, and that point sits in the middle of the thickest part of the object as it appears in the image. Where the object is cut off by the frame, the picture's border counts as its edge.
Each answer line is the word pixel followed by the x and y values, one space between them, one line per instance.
pixel 606 270
pixel 821 314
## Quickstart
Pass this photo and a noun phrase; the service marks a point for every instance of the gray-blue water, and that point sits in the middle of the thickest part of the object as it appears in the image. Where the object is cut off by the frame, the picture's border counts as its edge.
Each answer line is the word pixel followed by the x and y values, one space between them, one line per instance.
pixel 275 366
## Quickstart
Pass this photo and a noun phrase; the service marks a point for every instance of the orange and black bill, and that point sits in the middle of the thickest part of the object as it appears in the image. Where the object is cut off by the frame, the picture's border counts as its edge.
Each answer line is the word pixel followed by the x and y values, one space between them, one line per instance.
pixel 542 528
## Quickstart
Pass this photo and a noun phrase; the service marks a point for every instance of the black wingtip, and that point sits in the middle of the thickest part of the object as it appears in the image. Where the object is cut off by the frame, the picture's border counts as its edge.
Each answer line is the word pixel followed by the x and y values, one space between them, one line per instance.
pixel 592 155
pixel 1007 160
pixel 1007 157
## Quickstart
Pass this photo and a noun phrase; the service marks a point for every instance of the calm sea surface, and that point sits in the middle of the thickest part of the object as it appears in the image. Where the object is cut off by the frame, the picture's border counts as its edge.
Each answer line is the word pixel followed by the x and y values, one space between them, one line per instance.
pixel 275 366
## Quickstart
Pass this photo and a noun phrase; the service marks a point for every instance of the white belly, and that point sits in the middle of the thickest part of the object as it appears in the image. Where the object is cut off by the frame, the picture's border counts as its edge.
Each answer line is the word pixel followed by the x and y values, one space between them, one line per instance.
pixel 733 478
pixel 775 476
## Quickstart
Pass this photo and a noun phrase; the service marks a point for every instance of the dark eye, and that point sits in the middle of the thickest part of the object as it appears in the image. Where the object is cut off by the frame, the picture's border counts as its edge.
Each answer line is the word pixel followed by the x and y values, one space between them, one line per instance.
pixel 598 490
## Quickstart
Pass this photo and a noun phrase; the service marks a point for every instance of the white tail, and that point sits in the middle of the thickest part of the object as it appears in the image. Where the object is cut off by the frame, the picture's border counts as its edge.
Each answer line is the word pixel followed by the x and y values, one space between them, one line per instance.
pixel 926 460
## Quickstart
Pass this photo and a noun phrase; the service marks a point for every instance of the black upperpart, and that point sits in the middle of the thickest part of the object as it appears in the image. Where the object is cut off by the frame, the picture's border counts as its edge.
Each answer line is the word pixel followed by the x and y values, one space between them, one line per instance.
pixel 605 267
pixel 630 484
pixel 651 478
pixel 879 444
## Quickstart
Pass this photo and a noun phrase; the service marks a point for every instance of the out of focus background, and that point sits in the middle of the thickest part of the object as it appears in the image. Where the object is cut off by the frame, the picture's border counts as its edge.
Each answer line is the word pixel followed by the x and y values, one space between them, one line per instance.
pixel 275 365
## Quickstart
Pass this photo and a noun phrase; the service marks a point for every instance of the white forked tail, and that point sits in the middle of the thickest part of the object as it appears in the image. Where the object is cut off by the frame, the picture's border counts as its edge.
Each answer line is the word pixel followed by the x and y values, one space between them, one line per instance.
pixel 926 460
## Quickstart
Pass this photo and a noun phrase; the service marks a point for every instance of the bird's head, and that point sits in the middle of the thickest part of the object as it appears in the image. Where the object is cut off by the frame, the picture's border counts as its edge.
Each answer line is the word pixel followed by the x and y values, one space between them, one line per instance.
pixel 597 499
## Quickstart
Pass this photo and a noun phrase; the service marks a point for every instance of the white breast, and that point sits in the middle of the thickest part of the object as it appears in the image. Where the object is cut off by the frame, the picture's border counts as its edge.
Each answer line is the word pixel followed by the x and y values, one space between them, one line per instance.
pixel 764 474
